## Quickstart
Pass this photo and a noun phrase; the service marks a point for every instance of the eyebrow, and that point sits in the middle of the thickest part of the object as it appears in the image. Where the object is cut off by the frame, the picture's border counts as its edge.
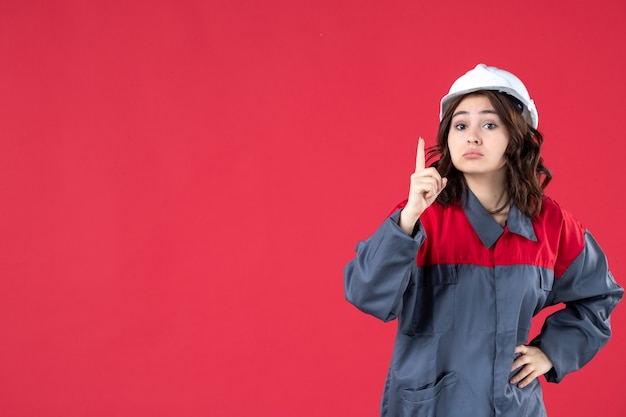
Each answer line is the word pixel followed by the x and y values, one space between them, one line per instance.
pixel 463 112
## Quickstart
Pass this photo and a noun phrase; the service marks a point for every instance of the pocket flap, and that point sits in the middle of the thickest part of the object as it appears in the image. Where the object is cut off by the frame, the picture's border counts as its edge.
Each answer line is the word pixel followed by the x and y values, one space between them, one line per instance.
pixel 547 279
pixel 437 275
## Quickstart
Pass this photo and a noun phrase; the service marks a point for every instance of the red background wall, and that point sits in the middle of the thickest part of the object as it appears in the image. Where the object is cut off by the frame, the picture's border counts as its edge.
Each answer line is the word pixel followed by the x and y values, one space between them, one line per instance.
pixel 182 182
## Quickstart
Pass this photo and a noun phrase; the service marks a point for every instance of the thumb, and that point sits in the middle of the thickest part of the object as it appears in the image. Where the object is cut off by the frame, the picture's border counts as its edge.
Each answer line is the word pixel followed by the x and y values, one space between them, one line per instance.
pixel 444 182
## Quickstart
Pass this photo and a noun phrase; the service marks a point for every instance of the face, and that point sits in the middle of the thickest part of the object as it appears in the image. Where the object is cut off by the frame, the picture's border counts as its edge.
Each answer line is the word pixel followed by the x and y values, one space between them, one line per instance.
pixel 477 138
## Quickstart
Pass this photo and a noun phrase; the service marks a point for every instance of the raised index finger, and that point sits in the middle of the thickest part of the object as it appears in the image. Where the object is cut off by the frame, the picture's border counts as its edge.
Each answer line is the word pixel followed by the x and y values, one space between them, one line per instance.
pixel 420 159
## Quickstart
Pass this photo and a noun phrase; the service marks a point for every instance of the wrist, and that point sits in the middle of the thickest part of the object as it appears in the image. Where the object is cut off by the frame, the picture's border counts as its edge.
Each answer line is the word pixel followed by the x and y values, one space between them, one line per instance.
pixel 407 222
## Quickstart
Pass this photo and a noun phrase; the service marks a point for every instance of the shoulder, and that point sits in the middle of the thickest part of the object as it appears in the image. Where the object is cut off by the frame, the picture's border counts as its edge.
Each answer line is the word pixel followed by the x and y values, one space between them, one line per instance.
pixel 566 234
pixel 554 215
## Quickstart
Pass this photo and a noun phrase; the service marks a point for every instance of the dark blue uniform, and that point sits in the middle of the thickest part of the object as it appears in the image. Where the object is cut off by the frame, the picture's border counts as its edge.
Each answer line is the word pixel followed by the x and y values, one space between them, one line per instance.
pixel 465 290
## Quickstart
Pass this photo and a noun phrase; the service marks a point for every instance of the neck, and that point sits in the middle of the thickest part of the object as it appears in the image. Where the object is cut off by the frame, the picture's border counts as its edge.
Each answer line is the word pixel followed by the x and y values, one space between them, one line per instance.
pixel 490 191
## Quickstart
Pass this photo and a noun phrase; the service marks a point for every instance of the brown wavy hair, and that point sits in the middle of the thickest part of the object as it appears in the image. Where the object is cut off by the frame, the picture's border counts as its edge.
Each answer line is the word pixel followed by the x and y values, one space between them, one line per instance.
pixel 526 174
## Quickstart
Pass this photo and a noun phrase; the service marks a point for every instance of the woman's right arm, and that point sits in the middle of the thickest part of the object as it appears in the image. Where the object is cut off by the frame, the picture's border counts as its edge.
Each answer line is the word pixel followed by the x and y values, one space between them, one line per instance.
pixel 376 279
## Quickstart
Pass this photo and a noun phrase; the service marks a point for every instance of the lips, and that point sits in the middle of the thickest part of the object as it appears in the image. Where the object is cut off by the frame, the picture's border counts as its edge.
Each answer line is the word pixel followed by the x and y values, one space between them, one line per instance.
pixel 472 154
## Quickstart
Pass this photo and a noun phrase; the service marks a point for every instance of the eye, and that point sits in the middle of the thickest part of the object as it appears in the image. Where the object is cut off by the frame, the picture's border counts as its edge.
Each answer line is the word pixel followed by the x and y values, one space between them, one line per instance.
pixel 460 126
pixel 490 126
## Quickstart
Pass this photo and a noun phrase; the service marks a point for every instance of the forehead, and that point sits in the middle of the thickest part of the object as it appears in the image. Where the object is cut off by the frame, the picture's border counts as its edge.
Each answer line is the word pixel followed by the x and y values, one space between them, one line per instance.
pixel 476 102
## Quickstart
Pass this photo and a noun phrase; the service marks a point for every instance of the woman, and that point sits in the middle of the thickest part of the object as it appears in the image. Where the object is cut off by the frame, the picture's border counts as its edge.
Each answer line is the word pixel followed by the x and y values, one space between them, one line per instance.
pixel 473 254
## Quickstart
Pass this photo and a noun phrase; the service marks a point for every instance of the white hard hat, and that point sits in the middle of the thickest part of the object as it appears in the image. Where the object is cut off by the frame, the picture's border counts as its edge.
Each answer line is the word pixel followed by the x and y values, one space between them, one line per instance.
pixel 491 78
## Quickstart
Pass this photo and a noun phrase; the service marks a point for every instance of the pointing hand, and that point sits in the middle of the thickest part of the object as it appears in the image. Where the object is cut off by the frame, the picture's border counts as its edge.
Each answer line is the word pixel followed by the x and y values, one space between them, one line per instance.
pixel 426 185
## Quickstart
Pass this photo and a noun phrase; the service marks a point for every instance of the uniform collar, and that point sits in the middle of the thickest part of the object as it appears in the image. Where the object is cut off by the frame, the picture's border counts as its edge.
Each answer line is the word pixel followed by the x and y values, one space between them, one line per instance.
pixel 488 230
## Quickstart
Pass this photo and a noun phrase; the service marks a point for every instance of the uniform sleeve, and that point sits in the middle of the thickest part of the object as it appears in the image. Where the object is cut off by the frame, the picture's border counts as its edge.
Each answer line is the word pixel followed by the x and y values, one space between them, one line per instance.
pixel 376 279
pixel 571 337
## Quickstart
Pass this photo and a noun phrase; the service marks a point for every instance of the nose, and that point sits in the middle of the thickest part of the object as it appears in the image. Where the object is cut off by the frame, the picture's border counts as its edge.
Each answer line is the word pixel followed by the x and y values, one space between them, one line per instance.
pixel 473 136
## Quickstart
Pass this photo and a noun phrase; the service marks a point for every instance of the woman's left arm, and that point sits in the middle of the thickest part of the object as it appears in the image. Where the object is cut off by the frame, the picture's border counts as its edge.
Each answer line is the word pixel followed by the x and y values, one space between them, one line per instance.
pixel 571 337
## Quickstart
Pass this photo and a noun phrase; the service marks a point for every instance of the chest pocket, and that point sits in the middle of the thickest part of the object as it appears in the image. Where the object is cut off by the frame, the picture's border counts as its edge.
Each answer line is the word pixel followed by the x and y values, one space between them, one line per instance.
pixel 434 299
pixel 546 281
